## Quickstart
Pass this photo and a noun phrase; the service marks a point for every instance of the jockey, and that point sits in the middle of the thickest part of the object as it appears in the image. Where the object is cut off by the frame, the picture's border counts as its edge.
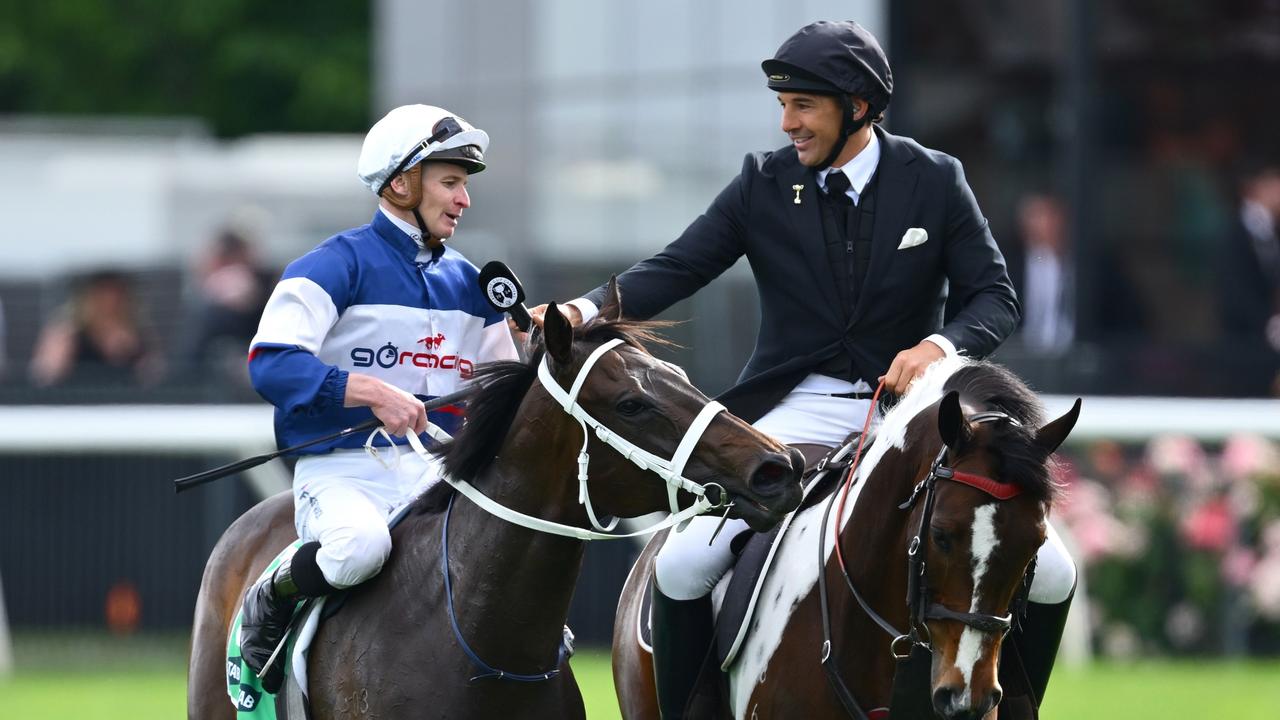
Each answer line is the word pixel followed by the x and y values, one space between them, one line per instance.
pixel 837 315
pixel 371 322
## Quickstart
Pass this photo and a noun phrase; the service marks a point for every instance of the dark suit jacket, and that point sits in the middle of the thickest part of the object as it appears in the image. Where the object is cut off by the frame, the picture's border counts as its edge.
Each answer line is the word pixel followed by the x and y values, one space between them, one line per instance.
pixel 900 301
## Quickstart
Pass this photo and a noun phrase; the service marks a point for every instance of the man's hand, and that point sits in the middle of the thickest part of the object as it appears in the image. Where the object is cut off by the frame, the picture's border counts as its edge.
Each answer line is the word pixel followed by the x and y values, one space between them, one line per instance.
pixel 398 410
pixel 570 313
pixel 909 365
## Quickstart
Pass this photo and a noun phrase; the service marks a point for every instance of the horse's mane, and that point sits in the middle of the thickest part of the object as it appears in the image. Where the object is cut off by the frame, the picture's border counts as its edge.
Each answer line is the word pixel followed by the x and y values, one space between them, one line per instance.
pixel 991 387
pixel 501 387
pixel 996 388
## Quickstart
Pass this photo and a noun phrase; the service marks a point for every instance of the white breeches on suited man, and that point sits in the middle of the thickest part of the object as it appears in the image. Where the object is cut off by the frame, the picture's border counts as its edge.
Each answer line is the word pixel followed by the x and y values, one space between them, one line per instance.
pixel 687 567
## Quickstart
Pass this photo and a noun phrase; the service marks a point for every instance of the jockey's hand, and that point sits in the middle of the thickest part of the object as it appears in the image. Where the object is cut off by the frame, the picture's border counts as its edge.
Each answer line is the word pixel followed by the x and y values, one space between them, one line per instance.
pixel 909 365
pixel 399 411
pixel 571 313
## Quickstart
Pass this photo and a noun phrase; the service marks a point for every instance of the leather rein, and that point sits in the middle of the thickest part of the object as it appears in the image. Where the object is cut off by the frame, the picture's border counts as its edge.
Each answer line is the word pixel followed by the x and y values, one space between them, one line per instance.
pixel 919 608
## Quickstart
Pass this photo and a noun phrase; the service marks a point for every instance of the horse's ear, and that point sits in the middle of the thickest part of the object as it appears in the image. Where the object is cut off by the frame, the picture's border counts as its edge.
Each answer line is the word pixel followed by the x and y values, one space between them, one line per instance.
pixel 951 423
pixel 612 308
pixel 559 335
pixel 1049 437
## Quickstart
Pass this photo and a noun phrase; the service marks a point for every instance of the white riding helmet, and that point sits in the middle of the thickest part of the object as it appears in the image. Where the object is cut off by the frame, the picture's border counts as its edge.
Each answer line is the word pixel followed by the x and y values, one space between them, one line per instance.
pixel 410 134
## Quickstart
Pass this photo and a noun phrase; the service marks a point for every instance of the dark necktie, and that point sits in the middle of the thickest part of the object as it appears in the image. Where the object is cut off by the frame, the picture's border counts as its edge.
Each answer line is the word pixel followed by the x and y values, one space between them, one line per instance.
pixel 838 188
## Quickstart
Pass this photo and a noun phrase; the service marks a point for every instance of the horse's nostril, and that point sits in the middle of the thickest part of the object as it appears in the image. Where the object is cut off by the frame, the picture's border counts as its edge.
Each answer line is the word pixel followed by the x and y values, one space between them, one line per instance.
pixel 943 698
pixel 993 699
pixel 772 477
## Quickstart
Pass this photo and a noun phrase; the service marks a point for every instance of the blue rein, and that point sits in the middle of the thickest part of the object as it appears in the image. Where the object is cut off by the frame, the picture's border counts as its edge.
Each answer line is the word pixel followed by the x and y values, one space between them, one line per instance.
pixel 486 670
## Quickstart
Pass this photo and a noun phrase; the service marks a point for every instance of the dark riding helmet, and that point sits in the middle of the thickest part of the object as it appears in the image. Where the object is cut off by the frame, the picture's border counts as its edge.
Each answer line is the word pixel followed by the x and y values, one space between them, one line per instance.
pixel 830 57
pixel 839 58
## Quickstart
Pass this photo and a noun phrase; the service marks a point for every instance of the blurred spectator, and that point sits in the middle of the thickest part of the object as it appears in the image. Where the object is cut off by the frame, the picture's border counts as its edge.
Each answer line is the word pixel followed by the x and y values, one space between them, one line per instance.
pixel 1250 291
pixel 1045 278
pixel 97 338
pixel 232 289
pixel 1249 277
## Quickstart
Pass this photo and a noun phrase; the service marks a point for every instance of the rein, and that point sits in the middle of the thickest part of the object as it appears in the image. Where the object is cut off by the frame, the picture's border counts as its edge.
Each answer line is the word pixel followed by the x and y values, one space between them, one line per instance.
pixel 487 670
pixel 919 609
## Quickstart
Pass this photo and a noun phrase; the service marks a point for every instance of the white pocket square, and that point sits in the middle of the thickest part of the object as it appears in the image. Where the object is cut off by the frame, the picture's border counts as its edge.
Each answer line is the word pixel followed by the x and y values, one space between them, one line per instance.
pixel 913 237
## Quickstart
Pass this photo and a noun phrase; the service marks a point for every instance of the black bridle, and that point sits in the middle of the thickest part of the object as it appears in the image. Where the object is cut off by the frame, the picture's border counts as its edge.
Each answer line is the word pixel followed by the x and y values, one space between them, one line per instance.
pixel 919 607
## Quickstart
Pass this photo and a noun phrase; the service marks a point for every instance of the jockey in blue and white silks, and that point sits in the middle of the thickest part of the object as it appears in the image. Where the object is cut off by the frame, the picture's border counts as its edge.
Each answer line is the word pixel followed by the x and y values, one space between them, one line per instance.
pixel 370 323
pixel 370 300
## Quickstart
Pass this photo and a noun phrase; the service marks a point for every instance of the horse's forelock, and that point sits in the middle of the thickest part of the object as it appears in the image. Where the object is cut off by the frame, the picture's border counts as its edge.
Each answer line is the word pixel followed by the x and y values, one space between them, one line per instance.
pixel 993 387
pixel 640 334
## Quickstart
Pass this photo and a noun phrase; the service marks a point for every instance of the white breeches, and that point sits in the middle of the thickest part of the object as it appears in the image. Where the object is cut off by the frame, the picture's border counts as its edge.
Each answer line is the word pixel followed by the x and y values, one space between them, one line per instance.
pixel 687 567
pixel 344 499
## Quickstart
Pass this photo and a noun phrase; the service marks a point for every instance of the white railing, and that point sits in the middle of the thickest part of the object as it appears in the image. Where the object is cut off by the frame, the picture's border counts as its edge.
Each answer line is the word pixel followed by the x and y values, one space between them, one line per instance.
pixel 242 431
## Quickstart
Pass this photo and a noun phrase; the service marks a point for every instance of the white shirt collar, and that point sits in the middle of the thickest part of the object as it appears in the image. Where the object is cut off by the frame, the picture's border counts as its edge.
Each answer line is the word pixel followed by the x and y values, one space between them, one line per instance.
pixel 859 170
pixel 407 228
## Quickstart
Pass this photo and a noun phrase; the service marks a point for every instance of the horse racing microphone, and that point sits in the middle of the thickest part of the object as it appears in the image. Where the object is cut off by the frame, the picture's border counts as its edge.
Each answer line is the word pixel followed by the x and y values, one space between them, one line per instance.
pixel 505 294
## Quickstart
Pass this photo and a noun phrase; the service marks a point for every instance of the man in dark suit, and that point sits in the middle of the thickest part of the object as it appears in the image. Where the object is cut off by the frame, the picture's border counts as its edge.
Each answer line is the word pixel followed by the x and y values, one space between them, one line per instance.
pixel 855 237
pixel 1249 282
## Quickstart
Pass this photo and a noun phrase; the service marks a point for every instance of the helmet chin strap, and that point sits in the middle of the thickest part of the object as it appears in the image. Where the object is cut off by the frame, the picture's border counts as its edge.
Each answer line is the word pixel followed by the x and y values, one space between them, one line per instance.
pixel 848 127
pixel 410 200
pixel 428 239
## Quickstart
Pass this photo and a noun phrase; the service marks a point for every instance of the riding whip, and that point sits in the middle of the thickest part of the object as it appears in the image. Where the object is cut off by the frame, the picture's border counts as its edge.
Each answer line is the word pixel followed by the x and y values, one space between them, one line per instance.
pixel 200 478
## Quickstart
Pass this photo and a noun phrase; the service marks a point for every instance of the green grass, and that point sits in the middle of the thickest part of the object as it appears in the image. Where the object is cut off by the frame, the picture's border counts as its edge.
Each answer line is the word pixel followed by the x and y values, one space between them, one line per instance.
pixel 95 696
pixel 1166 689
pixel 100 678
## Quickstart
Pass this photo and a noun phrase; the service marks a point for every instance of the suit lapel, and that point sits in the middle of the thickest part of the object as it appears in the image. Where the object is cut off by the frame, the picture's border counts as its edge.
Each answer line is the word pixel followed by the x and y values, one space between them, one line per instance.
pixel 806 218
pixel 896 185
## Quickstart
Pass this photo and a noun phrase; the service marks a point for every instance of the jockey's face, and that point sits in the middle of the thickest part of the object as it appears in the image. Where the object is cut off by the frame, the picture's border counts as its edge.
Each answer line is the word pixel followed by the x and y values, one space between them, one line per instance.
pixel 812 121
pixel 444 197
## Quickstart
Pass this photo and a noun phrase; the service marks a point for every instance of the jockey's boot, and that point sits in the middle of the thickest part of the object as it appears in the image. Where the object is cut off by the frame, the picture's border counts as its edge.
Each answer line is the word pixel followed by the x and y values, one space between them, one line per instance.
pixel 1035 647
pixel 1040 636
pixel 268 608
pixel 682 634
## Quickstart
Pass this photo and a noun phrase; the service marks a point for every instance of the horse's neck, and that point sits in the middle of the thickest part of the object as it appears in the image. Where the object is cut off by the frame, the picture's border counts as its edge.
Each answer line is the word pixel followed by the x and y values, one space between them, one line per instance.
pixel 512 585
pixel 875 542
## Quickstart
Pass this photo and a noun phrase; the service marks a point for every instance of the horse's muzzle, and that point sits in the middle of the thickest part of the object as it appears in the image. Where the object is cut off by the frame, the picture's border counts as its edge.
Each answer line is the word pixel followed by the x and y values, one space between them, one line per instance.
pixel 774 484
pixel 948 704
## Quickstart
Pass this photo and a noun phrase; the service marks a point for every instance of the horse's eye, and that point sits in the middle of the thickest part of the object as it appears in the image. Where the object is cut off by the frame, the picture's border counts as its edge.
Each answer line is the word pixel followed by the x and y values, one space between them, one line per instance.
pixel 941 539
pixel 630 406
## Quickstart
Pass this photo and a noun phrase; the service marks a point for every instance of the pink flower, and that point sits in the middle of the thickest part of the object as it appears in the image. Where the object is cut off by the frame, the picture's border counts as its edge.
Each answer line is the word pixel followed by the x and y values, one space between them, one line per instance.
pixel 1097 532
pixel 1264 590
pixel 1210 526
pixel 1176 454
pixel 1246 455
pixel 1238 565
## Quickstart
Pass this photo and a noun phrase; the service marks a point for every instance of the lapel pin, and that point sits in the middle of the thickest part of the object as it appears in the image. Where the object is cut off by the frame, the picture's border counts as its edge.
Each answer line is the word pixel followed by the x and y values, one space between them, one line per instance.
pixel 797 188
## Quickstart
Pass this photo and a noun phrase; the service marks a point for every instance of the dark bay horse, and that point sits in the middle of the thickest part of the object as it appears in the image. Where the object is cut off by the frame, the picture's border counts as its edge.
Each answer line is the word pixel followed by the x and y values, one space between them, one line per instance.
pixel 393 650
pixel 962 462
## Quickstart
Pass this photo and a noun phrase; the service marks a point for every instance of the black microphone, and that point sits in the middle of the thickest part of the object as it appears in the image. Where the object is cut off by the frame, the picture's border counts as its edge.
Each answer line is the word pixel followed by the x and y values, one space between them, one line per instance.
pixel 504 292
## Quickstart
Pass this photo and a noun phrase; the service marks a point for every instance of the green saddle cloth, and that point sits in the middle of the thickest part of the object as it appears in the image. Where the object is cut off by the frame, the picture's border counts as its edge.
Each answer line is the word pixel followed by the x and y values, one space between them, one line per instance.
pixel 243 686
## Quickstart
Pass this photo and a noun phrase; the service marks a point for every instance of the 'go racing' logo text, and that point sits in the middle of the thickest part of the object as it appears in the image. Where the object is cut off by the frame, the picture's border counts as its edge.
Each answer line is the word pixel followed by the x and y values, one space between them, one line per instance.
pixel 388 356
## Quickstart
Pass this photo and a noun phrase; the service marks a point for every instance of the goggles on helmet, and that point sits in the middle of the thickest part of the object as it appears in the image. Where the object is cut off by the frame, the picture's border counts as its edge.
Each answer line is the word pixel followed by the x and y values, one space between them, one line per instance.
pixel 443 130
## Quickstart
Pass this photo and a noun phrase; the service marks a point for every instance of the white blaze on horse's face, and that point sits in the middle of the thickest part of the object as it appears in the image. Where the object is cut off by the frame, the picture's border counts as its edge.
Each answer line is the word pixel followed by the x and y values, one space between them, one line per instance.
pixel 983 542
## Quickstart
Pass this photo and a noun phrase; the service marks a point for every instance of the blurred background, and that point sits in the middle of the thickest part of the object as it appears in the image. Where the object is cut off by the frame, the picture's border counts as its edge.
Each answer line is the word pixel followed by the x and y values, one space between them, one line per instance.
pixel 160 162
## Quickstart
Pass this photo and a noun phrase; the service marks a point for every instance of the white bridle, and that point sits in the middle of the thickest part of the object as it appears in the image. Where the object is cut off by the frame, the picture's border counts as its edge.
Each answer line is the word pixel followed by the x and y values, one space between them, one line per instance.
pixel 670 471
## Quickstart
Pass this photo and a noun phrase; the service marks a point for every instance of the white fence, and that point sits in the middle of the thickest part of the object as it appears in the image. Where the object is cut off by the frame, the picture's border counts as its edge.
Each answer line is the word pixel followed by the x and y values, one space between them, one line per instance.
pixel 246 430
